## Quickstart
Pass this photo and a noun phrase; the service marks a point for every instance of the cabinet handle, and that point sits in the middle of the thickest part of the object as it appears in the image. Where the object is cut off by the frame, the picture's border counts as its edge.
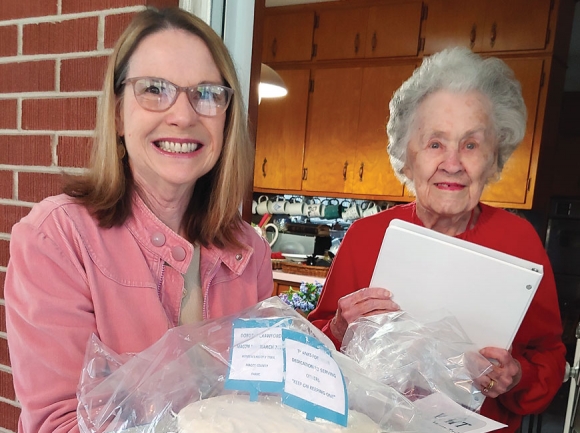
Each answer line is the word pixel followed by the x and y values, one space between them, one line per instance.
pixel 356 43
pixel 374 42
pixel 493 35
pixel 264 167
pixel 344 170
pixel 304 173
pixel 361 171
pixel 472 36
pixel 274 47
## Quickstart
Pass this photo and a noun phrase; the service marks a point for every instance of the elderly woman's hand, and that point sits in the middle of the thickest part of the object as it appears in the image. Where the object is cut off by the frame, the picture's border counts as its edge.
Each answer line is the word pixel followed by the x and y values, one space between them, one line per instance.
pixel 363 302
pixel 506 372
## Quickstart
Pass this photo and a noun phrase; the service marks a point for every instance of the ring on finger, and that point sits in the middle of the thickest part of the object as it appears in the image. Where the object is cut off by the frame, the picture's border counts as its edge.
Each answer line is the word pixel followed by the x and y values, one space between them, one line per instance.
pixel 489 386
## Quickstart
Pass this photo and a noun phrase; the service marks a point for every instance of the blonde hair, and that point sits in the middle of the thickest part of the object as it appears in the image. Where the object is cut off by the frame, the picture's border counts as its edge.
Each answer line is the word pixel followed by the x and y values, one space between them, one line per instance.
pixel 212 216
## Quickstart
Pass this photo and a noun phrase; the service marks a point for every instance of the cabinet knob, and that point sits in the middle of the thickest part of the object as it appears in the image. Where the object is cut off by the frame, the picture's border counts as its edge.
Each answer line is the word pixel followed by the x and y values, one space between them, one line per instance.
pixel 472 36
pixel 305 173
pixel 344 170
pixel 361 171
pixel 264 167
pixel 356 43
pixel 493 35
pixel 274 47
pixel 374 42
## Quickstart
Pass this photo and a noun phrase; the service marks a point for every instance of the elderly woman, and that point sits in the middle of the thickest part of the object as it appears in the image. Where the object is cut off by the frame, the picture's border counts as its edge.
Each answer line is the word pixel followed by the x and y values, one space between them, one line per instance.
pixel 151 237
pixel 452 127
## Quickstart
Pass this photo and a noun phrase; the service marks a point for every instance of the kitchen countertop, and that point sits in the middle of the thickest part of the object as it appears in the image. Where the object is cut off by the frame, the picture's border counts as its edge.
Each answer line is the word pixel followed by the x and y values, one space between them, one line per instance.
pixel 296 278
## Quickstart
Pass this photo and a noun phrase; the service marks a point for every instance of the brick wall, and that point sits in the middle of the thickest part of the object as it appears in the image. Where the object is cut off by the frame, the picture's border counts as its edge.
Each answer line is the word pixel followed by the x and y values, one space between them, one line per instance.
pixel 52 59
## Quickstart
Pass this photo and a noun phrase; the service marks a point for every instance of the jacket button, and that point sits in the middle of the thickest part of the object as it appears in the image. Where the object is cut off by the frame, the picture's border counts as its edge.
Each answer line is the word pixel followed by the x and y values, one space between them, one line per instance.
pixel 158 239
pixel 178 253
pixel 238 257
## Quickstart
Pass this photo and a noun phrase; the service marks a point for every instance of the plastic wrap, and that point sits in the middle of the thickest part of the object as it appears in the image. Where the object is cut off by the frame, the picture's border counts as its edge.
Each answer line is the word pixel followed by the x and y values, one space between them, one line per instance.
pixel 418 357
pixel 144 392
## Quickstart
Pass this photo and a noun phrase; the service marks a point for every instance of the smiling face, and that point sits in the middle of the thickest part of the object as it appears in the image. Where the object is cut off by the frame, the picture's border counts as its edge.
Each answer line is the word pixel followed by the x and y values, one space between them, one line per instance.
pixel 169 151
pixel 452 152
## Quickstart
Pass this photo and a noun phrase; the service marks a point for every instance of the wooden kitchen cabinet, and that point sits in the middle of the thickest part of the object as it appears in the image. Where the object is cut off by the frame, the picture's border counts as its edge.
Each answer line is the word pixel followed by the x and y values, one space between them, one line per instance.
pixel 280 135
pixel 288 37
pixel 516 177
pixel 283 287
pixel 390 30
pixel 487 26
pixel 346 139
pixel 341 34
pixel 394 30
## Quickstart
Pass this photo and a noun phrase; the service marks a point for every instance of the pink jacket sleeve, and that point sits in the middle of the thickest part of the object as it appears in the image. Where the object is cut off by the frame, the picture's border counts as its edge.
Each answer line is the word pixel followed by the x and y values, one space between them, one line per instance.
pixel 49 319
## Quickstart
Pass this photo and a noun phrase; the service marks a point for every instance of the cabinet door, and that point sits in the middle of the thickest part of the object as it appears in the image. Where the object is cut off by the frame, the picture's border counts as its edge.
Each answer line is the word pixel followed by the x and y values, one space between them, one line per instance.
pixel 373 173
pixel 513 184
pixel 288 37
pixel 341 34
pixel 280 135
pixel 452 23
pixel 515 25
pixel 393 30
pixel 332 129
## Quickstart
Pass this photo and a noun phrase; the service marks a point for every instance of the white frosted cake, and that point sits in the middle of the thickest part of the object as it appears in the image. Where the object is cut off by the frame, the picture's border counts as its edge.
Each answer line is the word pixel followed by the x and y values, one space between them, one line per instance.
pixel 237 414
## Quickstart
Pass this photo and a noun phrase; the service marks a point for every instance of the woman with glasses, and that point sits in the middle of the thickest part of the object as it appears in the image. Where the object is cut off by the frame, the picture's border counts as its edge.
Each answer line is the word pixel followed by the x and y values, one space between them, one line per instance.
pixel 453 125
pixel 150 237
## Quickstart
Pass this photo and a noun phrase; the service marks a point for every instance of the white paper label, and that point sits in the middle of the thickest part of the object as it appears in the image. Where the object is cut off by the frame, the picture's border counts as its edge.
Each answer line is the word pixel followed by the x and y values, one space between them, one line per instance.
pixel 257 355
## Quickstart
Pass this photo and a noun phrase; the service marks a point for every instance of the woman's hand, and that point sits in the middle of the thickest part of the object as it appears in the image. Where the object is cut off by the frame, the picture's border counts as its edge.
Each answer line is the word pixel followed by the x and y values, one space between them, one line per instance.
pixel 506 372
pixel 363 302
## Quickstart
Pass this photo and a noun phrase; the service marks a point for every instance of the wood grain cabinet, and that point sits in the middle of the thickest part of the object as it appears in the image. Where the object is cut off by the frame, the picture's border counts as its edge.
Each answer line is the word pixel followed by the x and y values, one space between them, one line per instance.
pixel 288 37
pixel 487 26
pixel 346 140
pixel 367 32
pixel 519 172
pixel 281 133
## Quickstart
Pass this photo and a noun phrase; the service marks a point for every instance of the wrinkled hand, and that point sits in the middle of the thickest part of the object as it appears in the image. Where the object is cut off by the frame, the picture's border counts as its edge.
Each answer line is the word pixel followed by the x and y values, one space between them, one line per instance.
pixel 364 302
pixel 506 372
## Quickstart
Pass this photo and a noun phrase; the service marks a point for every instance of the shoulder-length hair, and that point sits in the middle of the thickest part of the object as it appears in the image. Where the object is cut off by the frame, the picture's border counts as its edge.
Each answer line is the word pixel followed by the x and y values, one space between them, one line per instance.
pixel 212 216
pixel 458 70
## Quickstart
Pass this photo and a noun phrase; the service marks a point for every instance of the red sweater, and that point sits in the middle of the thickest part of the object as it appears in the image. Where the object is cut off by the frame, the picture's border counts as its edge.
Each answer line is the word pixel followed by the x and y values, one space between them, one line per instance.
pixel 537 345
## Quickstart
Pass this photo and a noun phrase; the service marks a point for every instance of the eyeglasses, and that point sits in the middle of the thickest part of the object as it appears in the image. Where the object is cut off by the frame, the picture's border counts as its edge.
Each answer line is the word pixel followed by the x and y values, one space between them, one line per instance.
pixel 157 94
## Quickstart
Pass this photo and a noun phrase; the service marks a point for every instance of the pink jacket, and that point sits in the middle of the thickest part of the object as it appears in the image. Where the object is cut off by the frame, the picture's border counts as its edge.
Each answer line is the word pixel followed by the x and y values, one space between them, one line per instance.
pixel 68 278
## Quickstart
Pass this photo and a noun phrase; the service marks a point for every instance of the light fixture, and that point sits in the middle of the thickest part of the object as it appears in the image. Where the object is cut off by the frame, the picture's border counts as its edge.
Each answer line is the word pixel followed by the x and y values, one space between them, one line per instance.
pixel 271 84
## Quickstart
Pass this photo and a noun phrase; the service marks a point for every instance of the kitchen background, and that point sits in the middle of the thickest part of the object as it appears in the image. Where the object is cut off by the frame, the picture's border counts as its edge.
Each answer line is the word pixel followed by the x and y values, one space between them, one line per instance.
pixel 52 57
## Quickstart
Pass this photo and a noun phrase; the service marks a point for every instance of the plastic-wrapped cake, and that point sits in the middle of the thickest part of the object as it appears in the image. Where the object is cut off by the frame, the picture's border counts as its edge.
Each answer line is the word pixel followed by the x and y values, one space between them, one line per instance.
pixel 237 414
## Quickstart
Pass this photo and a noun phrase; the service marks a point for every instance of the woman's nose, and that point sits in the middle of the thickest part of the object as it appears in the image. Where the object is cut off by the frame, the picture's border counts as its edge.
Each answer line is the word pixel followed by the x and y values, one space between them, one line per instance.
pixel 452 162
pixel 181 112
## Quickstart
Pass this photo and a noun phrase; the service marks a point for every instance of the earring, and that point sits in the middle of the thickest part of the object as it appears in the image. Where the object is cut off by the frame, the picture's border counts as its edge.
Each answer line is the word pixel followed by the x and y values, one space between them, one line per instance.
pixel 121 150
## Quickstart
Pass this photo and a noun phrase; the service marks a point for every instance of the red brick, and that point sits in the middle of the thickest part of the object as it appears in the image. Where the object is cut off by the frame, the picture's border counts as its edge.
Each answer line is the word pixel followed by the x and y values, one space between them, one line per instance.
pixel 4 252
pixel 9 416
pixel 74 151
pixel 8 41
pixel 6 183
pixel 72 6
pixel 2 280
pixel 2 318
pixel 114 26
pixel 8 113
pixel 33 187
pixel 59 114
pixel 82 74
pixel 27 76
pixel 25 150
pixel 10 9
pixel 61 37
pixel 6 387
pixel 5 360
pixel 10 215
